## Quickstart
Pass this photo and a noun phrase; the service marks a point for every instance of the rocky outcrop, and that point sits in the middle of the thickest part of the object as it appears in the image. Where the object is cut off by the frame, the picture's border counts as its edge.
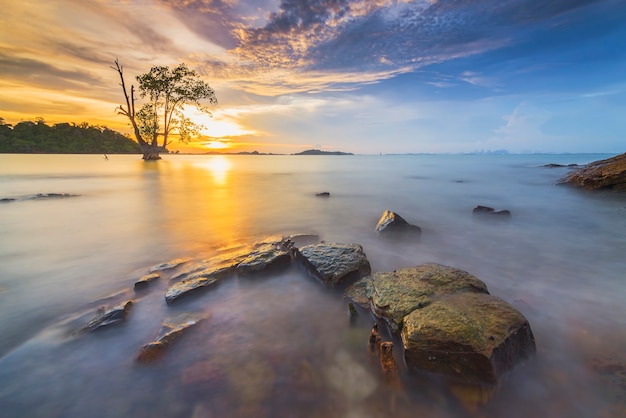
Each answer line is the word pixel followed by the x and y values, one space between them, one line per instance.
pixel 609 174
pixel 449 323
pixel 170 331
pixel 108 317
pixel 334 263
pixel 271 253
pixel 486 211
pixel 393 225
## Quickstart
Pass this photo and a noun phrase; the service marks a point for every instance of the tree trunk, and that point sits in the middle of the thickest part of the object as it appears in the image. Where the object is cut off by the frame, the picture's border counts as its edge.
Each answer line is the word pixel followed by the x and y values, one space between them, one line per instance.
pixel 150 152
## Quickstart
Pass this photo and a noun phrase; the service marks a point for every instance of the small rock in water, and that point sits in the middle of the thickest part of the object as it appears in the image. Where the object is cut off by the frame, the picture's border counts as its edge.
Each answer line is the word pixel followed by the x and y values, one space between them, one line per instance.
pixel 322 194
pixel 109 317
pixel 145 281
pixel 393 225
pixel 491 212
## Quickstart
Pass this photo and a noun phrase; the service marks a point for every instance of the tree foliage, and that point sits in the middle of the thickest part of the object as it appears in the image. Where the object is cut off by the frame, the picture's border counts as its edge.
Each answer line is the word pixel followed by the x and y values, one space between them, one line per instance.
pixel 166 92
pixel 63 138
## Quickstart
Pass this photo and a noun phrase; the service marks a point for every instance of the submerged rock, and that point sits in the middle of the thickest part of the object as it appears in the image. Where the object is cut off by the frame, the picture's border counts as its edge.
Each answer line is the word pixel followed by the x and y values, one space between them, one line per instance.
pixel 334 263
pixel 491 212
pixel 145 281
pixel 448 321
pixel 607 174
pixel 170 330
pixel 169 265
pixel 392 224
pixel 323 194
pixel 108 317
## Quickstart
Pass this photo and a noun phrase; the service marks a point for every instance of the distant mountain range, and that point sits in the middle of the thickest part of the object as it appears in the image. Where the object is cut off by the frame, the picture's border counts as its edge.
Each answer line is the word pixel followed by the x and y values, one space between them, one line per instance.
pixel 319 152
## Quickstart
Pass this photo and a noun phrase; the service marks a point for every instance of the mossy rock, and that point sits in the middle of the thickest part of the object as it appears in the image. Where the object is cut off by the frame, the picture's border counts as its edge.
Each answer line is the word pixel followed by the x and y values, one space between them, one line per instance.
pixel 471 336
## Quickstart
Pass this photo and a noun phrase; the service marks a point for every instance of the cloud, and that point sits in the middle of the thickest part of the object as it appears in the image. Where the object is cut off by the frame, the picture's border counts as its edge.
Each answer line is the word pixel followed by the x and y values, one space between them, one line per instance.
pixel 303 45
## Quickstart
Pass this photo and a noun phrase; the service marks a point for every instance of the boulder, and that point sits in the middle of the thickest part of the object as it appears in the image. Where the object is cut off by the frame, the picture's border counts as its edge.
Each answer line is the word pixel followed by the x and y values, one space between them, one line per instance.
pixel 108 317
pixel 170 330
pixel 449 322
pixel 609 174
pixel 334 263
pixel 392 224
pixel 474 337
pixel 491 212
pixel 393 295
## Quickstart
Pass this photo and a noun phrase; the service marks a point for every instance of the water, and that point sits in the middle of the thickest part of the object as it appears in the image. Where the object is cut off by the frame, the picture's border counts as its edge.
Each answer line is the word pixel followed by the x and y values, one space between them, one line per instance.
pixel 281 345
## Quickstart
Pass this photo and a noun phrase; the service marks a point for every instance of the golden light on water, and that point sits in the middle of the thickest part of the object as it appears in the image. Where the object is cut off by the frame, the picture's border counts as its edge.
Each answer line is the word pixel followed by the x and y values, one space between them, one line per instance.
pixel 218 166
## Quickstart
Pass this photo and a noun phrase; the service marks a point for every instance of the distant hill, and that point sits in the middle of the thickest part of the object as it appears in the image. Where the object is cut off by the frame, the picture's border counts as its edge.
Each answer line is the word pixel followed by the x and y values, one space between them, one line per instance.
pixel 63 138
pixel 319 152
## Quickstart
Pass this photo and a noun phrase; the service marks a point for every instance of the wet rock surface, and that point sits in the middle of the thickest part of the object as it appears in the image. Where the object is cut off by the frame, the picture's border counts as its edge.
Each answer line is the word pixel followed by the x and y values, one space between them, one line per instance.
pixel 393 295
pixel 109 317
pixel 393 225
pixel 609 174
pixel 198 281
pixel 144 281
pixel 448 321
pixel 169 265
pixel 334 263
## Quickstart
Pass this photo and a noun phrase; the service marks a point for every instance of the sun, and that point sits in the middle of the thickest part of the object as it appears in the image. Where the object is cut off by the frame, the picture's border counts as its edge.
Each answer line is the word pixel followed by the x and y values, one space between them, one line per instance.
pixel 215 144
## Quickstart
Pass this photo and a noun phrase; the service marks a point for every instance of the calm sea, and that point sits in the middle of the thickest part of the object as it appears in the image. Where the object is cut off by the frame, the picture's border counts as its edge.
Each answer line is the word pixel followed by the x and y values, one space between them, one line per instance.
pixel 282 345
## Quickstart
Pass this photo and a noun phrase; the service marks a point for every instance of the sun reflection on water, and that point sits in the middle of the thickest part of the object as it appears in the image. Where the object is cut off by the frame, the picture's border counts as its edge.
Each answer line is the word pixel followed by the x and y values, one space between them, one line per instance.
pixel 218 166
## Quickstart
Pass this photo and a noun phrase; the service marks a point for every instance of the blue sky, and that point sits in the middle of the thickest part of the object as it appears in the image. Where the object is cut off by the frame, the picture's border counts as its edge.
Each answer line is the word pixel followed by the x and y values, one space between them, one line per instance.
pixel 388 76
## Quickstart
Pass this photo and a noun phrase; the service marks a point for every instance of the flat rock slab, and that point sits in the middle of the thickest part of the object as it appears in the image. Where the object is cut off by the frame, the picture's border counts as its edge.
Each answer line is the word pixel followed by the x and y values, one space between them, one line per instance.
pixel 448 321
pixel 474 337
pixel 393 295
pixel 199 281
pixel 266 256
pixel 170 330
pixel 334 263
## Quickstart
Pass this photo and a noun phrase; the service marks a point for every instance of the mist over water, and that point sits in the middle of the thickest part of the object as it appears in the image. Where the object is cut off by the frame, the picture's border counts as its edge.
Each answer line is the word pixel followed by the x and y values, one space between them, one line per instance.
pixel 281 344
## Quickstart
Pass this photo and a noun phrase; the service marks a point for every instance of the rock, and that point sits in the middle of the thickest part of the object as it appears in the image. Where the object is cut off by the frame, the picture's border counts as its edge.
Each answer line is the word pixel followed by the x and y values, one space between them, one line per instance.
pixel 487 211
pixel 553 165
pixel 448 321
pixel 609 174
pixel 145 281
pixel 323 194
pixel 334 263
pixel 471 336
pixel 392 224
pixel 388 366
pixel 169 265
pixel 266 256
pixel 171 330
pixel 199 281
pixel 393 295
pixel 108 317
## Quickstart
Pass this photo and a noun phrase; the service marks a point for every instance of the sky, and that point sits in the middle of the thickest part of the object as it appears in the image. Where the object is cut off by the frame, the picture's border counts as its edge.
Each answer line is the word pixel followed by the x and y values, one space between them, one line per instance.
pixel 368 77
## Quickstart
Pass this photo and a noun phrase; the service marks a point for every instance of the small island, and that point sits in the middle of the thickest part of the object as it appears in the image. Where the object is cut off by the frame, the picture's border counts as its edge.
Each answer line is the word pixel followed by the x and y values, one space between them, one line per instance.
pixel 319 152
